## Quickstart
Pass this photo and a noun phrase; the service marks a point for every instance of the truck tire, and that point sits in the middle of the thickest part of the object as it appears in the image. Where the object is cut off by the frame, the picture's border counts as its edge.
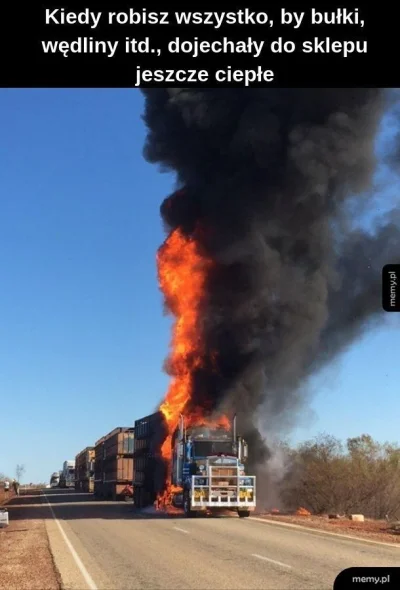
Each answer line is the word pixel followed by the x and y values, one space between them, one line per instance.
pixel 244 513
pixel 189 513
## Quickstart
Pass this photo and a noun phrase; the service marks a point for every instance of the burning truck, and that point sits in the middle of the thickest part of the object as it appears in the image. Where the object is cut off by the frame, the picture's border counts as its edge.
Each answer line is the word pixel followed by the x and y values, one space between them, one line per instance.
pixel 260 254
pixel 202 467
pixel 188 454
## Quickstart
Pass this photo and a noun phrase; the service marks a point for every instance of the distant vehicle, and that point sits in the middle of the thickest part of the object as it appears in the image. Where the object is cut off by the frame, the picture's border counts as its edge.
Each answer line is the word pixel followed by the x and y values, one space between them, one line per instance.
pixel 67 477
pixel 55 480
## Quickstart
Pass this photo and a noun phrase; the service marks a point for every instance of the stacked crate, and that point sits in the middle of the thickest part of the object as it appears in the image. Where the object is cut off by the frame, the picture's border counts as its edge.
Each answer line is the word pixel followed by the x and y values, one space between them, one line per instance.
pixel 98 467
pixel 84 470
pixel 114 463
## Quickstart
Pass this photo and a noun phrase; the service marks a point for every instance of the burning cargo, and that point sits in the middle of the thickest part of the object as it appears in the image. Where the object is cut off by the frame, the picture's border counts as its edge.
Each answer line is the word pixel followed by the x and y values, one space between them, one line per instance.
pixel 150 469
pixel 113 471
pixel 84 470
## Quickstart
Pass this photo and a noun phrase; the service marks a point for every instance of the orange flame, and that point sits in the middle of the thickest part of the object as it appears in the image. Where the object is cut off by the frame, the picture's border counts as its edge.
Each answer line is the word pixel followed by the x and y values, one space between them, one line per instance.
pixel 302 512
pixel 182 273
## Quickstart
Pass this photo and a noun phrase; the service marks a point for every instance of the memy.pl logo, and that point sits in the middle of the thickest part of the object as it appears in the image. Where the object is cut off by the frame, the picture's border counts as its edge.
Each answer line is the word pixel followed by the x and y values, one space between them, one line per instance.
pixel 390 287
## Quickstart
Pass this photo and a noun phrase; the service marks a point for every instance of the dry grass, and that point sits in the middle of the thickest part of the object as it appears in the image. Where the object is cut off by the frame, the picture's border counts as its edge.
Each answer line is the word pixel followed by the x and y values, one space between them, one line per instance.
pixel 378 530
pixel 26 561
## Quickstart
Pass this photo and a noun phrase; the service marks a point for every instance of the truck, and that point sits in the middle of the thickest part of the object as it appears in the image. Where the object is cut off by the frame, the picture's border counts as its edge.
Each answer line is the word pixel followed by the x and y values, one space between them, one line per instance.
pixel 207 468
pixel 67 477
pixel 84 471
pixel 113 467
pixel 55 479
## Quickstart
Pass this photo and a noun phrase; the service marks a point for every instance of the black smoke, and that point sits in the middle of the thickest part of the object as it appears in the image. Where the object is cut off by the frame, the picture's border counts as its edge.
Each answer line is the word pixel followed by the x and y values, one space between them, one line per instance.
pixel 266 177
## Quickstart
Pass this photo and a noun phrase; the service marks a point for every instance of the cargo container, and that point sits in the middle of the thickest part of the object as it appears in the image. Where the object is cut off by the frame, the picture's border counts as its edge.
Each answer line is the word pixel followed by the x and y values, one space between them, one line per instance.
pixel 149 468
pixel 84 470
pixel 98 466
pixel 113 469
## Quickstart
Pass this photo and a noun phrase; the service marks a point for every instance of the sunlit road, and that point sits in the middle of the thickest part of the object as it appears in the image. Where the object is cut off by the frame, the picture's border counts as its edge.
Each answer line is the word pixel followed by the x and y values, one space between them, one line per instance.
pixel 106 545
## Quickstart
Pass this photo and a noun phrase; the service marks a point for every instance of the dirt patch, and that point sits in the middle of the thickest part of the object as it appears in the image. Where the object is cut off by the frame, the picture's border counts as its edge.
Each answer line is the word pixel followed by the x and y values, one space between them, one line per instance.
pixel 26 561
pixel 378 530
pixel 5 496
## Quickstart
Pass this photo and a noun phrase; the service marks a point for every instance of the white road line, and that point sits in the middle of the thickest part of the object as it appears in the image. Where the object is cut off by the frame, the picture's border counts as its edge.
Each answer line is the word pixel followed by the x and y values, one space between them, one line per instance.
pixel 180 530
pixel 271 561
pixel 307 529
pixel 88 579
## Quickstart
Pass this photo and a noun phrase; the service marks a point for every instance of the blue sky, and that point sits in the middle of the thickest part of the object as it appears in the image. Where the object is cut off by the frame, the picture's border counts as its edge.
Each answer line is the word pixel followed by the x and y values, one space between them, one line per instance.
pixel 82 331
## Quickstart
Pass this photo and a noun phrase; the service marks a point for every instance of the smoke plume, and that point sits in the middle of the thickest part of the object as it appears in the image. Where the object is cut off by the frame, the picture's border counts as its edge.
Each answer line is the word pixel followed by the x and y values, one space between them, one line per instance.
pixel 266 176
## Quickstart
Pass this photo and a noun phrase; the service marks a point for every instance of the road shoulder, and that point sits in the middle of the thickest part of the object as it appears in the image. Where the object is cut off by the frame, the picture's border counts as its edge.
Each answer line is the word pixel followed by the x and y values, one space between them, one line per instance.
pixel 26 559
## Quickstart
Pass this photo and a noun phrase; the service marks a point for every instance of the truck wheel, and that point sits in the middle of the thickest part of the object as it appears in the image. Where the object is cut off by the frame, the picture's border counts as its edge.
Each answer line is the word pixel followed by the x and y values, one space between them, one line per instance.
pixel 189 513
pixel 244 513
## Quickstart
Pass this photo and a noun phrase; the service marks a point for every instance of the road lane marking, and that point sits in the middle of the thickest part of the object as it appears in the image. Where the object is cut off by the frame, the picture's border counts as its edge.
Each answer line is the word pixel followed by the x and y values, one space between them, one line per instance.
pixel 180 530
pixel 307 529
pixel 88 579
pixel 271 560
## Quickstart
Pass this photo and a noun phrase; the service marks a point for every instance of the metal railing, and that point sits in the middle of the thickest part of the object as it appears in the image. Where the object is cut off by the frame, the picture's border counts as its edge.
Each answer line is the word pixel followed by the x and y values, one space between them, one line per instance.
pixel 230 491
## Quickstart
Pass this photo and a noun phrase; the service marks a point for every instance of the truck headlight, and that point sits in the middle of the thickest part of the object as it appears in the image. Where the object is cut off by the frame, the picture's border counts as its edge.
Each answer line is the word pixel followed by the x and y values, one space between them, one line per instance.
pixel 245 481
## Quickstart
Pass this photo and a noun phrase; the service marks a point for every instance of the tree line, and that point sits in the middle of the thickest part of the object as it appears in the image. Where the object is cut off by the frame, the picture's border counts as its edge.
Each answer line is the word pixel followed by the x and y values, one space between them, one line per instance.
pixel 325 475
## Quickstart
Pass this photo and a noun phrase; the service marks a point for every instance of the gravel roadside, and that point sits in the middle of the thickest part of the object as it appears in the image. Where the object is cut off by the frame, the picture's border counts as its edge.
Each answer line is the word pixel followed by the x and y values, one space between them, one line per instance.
pixel 375 530
pixel 26 561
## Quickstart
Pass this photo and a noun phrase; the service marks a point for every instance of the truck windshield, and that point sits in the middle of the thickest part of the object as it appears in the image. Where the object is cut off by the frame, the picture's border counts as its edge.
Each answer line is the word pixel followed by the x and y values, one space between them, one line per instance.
pixel 207 448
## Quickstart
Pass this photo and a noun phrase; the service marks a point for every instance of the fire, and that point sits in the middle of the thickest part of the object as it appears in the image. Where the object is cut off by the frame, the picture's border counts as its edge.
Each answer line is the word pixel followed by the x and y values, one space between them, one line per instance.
pixel 182 273
pixel 302 512
pixel 164 499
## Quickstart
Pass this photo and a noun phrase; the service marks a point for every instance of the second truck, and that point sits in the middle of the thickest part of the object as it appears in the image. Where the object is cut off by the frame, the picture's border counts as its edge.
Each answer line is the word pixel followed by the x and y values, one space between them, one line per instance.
pixel 67 475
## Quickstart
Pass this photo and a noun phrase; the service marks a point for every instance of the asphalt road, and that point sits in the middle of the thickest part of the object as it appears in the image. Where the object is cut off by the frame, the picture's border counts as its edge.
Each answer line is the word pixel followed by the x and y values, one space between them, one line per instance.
pixel 111 547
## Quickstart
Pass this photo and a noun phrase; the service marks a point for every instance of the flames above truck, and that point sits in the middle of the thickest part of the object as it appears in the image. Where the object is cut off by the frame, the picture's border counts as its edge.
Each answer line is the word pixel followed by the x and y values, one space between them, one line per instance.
pixel 183 271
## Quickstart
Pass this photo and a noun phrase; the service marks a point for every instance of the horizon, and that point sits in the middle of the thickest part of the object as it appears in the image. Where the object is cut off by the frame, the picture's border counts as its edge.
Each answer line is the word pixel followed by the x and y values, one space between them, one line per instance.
pixel 84 336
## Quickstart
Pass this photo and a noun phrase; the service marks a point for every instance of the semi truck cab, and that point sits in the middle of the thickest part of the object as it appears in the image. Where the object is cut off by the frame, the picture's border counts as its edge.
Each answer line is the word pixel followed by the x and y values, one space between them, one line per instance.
pixel 208 470
pixel 55 480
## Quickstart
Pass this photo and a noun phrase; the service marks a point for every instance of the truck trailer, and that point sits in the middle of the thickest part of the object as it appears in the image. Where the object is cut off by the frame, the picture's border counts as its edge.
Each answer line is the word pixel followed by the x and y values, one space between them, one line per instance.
pixel 113 468
pixel 67 476
pixel 150 471
pixel 207 470
pixel 84 470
